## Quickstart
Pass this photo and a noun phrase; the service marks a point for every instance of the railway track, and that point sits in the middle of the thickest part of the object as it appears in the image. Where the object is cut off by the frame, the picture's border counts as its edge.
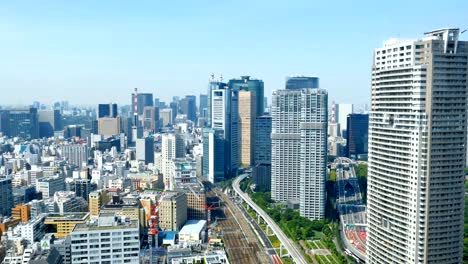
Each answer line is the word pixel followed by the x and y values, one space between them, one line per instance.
pixel 241 243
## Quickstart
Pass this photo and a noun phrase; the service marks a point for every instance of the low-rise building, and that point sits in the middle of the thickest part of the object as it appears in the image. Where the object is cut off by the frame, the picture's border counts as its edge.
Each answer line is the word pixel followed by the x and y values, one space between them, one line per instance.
pixel 193 232
pixel 172 211
pixel 64 224
pixel 110 239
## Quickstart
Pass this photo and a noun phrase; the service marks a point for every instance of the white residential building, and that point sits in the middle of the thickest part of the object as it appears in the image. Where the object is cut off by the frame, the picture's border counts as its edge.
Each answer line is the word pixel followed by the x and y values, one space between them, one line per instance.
pixel 417 147
pixel 299 149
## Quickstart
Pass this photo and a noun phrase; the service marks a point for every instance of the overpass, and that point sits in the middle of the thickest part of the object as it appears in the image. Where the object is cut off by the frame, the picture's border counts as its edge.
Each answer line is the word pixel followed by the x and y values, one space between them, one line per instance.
pixel 286 243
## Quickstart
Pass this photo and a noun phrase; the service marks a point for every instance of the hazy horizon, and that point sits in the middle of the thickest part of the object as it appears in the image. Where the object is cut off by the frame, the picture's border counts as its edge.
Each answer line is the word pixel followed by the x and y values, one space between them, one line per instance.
pixel 96 52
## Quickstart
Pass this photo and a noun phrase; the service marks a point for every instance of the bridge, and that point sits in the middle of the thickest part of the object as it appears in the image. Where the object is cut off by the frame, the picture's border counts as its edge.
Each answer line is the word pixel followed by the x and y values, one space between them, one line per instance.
pixel 286 243
pixel 351 208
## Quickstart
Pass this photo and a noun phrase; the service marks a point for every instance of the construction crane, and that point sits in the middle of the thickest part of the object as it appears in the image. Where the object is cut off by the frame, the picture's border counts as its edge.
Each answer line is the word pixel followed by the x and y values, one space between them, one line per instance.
pixel 207 207
pixel 153 231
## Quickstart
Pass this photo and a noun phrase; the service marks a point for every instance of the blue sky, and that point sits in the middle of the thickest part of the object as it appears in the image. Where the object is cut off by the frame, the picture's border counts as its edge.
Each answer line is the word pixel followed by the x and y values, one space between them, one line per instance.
pixel 97 51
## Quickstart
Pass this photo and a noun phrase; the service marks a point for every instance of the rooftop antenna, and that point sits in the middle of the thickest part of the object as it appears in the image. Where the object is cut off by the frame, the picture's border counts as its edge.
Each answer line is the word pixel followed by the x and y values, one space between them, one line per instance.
pixel 212 76
pixel 221 78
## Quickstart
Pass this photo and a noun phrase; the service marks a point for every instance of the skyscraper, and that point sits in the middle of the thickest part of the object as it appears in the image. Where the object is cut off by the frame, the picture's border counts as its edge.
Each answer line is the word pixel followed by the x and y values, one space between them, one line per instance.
pixel 107 110
pixel 213 85
pixel 6 196
pixel 144 99
pixel 342 111
pixel 202 105
pixel 299 148
pixel 172 146
pixel 417 146
pixel 357 135
pixel 188 107
pixel 145 150
pixel 49 121
pixel 151 118
pixel 225 117
pixel 245 83
pixel 213 155
pixel 247 115
pixel 301 82
pixel 109 126
pixel 23 123
pixel 262 153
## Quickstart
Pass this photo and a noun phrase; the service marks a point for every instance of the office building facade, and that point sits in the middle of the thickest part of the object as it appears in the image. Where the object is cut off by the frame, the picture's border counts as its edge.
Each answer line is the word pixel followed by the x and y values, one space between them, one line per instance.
pixel 245 83
pixel 417 147
pixel 172 211
pixel 225 117
pixel 107 110
pixel 301 82
pixel 247 115
pixel 6 196
pixel 23 123
pixel 145 150
pixel 357 135
pixel 49 121
pixel 213 167
pixel 262 154
pixel 188 107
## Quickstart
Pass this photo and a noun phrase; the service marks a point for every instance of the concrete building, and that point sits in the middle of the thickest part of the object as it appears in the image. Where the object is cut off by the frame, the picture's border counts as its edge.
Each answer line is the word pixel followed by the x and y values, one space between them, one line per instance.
pixel 213 155
pixel 109 126
pixel 183 171
pixel 203 105
pixel 49 121
pixel 108 240
pixel 188 107
pixel 68 202
pixel 165 117
pixel 417 147
pixel 145 150
pixel 151 118
pixel 172 146
pixel 212 85
pixel 75 154
pixel 172 211
pixel 299 149
pixel 23 123
pixel 50 185
pixel 33 230
pixel 65 223
pixel 196 200
pixel 96 200
pixel 6 196
pixel 193 232
pixel 247 115
pixel 21 212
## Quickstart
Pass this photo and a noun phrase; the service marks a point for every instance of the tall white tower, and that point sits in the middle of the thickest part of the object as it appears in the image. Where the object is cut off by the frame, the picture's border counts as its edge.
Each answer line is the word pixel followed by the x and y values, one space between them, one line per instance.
pixel 299 149
pixel 417 146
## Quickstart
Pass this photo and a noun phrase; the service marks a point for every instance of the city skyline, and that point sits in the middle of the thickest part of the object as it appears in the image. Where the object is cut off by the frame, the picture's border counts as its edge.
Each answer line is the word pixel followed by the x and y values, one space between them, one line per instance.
pixel 70 51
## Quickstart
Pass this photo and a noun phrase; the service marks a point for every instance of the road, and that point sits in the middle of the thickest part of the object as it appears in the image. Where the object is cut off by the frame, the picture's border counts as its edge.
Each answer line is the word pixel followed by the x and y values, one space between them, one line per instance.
pixel 295 253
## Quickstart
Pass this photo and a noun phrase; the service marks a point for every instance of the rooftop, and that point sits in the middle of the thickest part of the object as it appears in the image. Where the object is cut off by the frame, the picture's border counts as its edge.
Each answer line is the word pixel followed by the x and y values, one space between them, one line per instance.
pixel 192 226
